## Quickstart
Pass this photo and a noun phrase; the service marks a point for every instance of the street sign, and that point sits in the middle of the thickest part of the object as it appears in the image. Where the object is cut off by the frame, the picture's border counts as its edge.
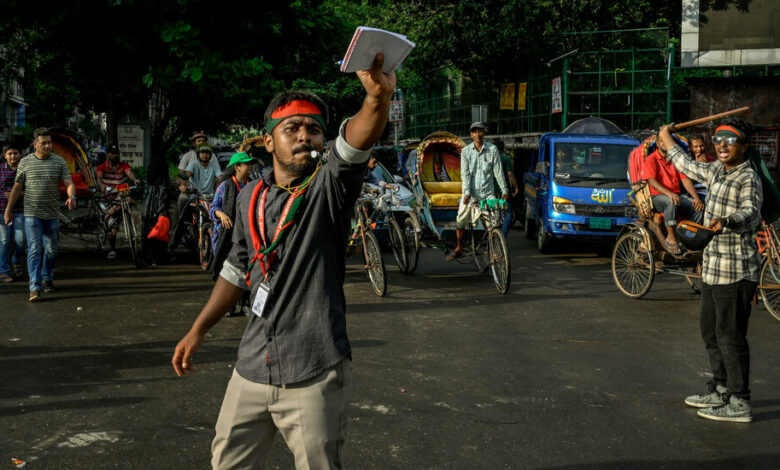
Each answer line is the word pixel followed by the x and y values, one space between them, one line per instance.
pixel 131 144
pixel 557 100
pixel 396 111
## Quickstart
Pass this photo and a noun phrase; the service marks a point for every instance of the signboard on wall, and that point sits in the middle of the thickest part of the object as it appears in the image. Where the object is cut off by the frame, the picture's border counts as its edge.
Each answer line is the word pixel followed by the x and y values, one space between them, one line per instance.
pixel 131 144
pixel 521 90
pixel 507 97
pixel 557 95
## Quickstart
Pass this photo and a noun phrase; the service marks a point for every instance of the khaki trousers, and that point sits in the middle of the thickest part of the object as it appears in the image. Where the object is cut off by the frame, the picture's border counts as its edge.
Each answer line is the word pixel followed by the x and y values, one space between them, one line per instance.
pixel 310 415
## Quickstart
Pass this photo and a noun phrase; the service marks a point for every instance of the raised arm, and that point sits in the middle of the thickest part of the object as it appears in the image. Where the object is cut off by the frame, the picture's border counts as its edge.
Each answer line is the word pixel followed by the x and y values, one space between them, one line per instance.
pixel 365 127
pixel 692 169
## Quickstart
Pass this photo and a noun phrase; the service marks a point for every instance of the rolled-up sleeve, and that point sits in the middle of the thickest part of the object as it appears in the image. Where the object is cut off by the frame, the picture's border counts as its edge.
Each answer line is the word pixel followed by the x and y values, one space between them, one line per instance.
pixel 234 268
pixel 347 152
pixel 748 216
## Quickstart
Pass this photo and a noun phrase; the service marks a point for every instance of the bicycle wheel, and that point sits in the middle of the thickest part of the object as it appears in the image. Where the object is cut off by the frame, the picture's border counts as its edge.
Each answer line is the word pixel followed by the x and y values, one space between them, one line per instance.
pixel 204 245
pixel 411 242
pixel 769 286
pixel 499 260
pixel 633 265
pixel 375 265
pixel 397 244
pixel 132 239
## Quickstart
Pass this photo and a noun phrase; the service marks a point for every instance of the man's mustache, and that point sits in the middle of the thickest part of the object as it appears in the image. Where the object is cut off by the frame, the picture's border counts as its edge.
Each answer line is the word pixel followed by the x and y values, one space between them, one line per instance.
pixel 303 148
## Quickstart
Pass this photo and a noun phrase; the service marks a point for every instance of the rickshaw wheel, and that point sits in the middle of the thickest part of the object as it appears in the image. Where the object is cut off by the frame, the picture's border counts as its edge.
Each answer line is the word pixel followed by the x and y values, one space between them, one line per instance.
pixel 411 242
pixel 499 260
pixel 770 277
pixel 397 244
pixel 375 265
pixel 633 265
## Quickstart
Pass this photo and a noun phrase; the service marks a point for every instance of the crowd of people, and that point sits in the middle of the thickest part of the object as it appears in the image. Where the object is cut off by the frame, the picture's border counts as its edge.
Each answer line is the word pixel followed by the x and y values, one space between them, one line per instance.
pixel 288 229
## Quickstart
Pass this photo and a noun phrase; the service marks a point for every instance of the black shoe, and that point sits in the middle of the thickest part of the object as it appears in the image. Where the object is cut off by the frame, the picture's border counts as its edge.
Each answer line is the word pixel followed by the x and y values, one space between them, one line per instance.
pixel 48 286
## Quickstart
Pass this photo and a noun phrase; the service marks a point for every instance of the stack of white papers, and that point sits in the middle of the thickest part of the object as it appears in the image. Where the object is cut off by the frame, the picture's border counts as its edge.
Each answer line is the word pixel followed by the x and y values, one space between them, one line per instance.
pixel 368 42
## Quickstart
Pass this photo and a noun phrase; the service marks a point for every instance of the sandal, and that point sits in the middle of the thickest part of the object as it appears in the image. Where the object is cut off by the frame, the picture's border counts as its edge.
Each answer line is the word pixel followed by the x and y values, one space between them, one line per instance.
pixel 5 278
pixel 455 254
pixel 673 248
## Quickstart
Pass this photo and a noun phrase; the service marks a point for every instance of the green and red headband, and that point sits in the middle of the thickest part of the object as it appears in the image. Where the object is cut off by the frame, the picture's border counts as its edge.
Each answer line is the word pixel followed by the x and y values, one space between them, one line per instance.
pixel 295 108
pixel 730 131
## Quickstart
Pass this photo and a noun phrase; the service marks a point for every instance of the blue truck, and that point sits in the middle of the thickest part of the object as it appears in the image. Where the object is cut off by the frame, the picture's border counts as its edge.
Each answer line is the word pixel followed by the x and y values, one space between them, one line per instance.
pixel 578 188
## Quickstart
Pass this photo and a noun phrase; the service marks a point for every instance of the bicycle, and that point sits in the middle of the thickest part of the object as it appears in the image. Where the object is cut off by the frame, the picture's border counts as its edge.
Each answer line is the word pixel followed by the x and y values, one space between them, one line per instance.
pixel 194 227
pixel 121 202
pixel 363 235
pixel 769 277
pixel 490 249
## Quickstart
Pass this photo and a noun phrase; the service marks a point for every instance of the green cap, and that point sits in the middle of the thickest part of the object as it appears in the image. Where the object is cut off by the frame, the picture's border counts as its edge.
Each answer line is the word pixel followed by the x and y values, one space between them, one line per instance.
pixel 240 157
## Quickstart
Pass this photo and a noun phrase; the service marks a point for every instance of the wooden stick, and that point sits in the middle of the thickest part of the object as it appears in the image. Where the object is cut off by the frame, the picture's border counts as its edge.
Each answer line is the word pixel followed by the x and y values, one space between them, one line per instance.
pixel 711 118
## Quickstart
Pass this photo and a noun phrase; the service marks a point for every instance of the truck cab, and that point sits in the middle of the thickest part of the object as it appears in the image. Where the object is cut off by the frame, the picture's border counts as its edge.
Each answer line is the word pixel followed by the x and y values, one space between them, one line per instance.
pixel 578 188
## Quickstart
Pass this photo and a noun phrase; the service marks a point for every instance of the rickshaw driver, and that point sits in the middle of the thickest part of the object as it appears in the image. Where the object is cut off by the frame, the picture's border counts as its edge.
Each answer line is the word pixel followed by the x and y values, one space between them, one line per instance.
pixel 731 265
pixel 480 162
pixel 665 180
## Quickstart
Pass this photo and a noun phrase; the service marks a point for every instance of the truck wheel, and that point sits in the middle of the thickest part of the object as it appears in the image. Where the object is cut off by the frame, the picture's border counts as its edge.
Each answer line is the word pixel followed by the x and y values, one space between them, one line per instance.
pixel 530 224
pixel 543 240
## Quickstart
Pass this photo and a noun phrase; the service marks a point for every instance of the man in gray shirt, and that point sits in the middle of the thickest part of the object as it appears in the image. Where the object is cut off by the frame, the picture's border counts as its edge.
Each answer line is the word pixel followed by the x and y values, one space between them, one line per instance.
pixel 39 175
pixel 294 371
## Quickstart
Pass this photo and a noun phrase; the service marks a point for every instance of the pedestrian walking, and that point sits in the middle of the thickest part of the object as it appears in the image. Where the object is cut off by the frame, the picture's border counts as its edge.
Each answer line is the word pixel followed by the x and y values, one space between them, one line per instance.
pixel 480 163
pixel 730 268
pixel 39 174
pixel 11 235
pixel 294 367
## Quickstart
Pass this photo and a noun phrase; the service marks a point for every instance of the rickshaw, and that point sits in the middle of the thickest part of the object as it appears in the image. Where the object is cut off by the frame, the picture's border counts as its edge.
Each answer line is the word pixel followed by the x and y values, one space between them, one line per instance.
pixel 391 208
pixel 640 252
pixel 437 185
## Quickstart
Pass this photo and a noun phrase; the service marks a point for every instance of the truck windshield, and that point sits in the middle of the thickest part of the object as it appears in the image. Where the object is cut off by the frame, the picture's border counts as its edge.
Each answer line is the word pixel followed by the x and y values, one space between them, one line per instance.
pixel 590 163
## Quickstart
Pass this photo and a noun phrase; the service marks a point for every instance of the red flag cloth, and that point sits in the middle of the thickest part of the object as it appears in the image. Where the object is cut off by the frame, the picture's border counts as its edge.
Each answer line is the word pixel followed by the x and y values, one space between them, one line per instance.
pixel 160 229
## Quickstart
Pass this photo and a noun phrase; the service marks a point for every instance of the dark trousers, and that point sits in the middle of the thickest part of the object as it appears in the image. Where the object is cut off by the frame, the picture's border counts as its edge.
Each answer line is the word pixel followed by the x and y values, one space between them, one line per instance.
pixel 725 310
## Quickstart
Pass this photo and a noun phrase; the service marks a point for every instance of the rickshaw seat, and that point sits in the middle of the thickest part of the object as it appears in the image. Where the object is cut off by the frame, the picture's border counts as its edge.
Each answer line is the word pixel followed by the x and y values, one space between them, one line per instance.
pixel 451 166
pixel 443 194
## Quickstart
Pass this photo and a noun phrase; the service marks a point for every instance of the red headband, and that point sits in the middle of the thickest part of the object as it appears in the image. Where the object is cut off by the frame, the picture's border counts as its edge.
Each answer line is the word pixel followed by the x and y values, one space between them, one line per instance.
pixel 732 129
pixel 294 108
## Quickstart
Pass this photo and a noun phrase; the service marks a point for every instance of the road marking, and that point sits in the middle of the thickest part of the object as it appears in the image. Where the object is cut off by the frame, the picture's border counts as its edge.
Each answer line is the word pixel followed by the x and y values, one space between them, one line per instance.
pixel 87 438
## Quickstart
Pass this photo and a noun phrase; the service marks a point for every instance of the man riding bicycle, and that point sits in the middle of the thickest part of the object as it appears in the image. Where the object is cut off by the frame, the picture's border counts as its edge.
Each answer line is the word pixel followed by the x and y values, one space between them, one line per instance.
pixel 110 174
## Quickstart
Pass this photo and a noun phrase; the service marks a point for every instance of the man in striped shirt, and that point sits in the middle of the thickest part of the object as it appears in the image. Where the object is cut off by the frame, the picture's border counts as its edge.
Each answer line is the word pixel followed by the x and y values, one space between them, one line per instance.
pixel 730 269
pixel 39 175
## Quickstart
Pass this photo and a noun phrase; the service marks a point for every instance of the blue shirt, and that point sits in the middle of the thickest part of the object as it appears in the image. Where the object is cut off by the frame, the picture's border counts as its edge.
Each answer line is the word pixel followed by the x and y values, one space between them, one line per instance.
pixel 202 178
pixel 478 168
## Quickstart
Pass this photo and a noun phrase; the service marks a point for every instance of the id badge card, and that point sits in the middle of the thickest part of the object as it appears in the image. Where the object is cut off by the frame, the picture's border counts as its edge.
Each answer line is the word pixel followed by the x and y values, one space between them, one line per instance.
pixel 260 299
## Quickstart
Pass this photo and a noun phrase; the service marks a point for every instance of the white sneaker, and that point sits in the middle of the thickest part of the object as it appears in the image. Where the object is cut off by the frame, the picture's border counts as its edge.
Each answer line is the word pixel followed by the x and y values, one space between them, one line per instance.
pixel 112 254
pixel 736 410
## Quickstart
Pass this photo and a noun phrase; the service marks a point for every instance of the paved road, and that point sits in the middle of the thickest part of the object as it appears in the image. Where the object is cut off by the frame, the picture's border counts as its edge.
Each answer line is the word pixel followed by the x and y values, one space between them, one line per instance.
pixel 562 372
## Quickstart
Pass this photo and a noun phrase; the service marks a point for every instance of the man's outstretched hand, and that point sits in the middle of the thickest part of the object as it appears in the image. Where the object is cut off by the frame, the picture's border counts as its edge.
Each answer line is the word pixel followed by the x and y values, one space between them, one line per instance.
pixel 377 83
pixel 365 128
